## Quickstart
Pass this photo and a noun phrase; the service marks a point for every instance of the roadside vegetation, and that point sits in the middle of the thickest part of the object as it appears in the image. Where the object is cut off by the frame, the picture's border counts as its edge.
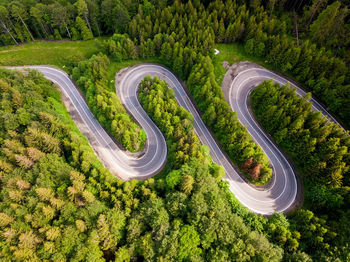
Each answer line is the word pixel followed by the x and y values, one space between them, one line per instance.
pixel 64 55
pixel 321 151
pixel 320 52
pixel 161 217
pixel 217 114
pixel 192 62
pixel 174 121
pixel 58 202
pixel 319 147
pixel 56 198
pixel 92 78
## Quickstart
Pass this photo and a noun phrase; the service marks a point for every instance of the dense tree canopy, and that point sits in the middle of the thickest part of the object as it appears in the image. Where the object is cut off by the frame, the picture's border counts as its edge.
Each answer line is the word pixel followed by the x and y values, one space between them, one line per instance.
pixel 57 202
pixel 319 147
pixel 321 151
pixel 91 77
pixel 224 123
pixel 174 121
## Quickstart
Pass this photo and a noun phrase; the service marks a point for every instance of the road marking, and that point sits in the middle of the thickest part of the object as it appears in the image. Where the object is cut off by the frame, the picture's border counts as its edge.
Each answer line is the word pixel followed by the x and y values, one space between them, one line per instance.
pixel 262 202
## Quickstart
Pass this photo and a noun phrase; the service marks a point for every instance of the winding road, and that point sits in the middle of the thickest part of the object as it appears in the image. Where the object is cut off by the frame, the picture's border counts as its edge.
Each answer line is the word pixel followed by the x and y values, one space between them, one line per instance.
pixel 123 164
pixel 283 188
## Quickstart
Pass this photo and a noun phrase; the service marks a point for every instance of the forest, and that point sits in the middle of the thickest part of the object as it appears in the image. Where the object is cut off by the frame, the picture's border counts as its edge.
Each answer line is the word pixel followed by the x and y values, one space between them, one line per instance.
pixel 91 77
pixel 182 33
pixel 318 147
pixel 317 54
pixel 174 121
pixel 59 203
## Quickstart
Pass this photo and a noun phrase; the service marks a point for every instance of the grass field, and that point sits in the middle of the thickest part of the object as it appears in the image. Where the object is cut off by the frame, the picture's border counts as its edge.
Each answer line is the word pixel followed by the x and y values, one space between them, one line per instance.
pixel 65 54
pixel 233 53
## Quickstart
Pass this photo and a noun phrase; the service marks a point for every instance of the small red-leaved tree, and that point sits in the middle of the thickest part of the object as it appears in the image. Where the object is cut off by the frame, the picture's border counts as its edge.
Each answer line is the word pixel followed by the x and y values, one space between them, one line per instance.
pixel 255 171
pixel 247 164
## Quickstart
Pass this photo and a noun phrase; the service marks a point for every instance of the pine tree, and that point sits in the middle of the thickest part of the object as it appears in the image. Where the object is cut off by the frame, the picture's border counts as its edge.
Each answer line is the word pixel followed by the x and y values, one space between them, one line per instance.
pixel 84 12
pixel 20 14
pixel 24 162
pixel 221 32
pixel 4 21
pixel 57 203
pixel 104 234
pixel 53 233
pixel 49 247
pixel 249 46
pixel 94 251
pixel 45 194
pixel 38 15
pixel 187 184
pixel 166 53
pixel 29 240
pixel 34 154
pixel 322 28
pixel 80 224
pixel 85 32
pixel 61 16
pixel 22 184
pixel 5 219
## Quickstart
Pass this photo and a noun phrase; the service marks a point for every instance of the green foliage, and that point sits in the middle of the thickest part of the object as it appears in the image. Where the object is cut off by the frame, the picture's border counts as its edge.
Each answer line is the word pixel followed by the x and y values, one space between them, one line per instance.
pixel 187 195
pixel 65 55
pixel 197 226
pixel 325 24
pixel 55 208
pixel 315 234
pixel 280 231
pixel 188 242
pixel 324 72
pixel 58 209
pixel 174 121
pixel 55 19
pixel 249 46
pixel 91 77
pixel 180 22
pixel 115 15
pixel 218 115
pixel 120 47
pixel 173 179
pixel 84 30
pixel 190 199
pixel 318 147
pixel 320 150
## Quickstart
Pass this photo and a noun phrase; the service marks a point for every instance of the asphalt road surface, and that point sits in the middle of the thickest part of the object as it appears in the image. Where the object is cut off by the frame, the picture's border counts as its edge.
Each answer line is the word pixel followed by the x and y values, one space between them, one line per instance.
pixel 282 191
pixel 124 165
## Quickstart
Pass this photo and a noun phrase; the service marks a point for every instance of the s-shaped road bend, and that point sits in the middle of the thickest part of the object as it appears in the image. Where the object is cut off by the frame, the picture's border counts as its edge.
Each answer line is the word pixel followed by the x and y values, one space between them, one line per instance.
pixel 122 164
pixel 280 195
